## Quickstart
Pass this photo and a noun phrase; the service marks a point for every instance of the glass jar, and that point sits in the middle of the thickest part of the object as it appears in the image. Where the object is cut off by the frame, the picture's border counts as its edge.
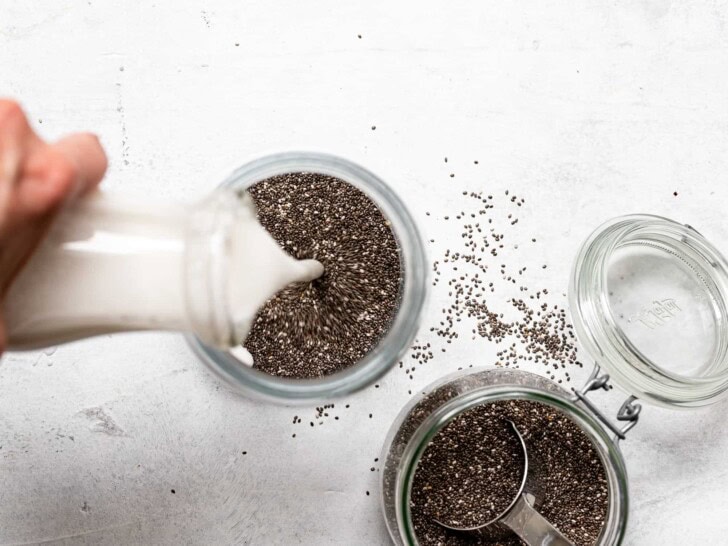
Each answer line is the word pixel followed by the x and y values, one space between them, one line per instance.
pixel 389 349
pixel 648 301
pixel 428 413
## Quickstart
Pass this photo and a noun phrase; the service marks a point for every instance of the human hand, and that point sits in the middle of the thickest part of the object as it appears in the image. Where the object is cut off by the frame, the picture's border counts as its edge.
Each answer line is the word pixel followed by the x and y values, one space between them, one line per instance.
pixel 36 179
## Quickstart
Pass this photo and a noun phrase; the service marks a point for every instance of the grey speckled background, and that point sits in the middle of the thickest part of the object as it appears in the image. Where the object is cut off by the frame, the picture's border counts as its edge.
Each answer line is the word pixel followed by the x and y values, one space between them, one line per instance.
pixel 587 108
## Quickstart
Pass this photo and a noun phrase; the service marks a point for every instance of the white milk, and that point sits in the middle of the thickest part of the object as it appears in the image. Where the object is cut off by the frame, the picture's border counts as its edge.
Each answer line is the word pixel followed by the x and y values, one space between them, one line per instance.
pixel 111 264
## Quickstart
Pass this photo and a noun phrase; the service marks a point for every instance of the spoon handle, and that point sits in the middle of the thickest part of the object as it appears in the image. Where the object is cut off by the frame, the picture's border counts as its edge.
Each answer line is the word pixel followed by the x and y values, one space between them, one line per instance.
pixel 532 527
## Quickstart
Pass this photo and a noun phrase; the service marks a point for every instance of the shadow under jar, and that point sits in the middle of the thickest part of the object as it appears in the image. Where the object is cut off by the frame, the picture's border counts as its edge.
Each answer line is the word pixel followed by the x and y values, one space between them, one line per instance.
pixel 412 291
pixel 648 299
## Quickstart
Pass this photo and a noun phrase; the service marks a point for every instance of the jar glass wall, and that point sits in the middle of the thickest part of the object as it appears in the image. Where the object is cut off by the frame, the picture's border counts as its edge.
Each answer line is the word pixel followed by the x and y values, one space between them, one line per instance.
pixel 412 290
pixel 425 415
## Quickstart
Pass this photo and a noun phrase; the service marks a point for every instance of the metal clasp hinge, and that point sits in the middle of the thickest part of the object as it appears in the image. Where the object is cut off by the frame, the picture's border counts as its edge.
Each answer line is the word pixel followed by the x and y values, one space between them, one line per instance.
pixel 629 412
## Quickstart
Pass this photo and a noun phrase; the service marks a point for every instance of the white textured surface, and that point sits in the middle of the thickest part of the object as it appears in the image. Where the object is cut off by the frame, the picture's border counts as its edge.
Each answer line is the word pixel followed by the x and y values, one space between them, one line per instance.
pixel 589 109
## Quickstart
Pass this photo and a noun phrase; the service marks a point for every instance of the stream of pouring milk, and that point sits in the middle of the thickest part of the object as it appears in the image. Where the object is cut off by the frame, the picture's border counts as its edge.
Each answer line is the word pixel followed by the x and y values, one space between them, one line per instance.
pixel 264 269
pixel 112 264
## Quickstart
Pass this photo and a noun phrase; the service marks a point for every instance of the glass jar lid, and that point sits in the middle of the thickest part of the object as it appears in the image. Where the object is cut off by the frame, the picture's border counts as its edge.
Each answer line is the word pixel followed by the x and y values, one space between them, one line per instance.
pixel 649 301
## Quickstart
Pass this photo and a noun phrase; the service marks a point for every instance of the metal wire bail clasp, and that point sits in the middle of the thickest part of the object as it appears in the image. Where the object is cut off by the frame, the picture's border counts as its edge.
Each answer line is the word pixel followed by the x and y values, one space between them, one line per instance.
pixel 629 412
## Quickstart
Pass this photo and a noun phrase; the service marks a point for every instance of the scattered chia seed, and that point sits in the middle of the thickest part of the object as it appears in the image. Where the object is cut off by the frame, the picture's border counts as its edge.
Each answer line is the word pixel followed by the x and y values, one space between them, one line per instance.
pixel 537 332
pixel 310 330
pixel 573 481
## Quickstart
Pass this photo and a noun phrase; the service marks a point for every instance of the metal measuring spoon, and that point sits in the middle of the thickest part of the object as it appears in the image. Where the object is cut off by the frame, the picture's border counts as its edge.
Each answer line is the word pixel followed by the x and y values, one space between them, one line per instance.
pixel 520 516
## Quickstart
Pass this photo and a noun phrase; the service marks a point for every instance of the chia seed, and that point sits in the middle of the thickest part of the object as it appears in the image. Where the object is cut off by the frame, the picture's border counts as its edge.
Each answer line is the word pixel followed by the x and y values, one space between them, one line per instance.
pixel 535 332
pixel 314 329
pixel 470 472
pixel 449 485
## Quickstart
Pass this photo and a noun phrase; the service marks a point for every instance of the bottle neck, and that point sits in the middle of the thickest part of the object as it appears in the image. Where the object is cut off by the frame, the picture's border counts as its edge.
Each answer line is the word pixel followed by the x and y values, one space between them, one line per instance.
pixel 208 233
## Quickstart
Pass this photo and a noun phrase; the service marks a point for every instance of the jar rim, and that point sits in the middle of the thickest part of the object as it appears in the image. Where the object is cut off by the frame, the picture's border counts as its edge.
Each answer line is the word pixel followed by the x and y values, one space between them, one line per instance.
pixel 607 343
pixel 607 449
pixel 393 344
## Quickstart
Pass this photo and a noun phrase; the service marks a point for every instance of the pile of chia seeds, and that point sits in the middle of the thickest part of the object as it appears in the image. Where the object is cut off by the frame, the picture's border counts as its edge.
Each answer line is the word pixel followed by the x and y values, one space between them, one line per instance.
pixel 310 330
pixel 488 295
pixel 449 485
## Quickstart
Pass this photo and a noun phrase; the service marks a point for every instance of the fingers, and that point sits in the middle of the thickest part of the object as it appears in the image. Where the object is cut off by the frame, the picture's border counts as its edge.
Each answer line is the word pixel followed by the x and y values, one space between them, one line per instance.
pixel 84 151
pixel 14 129
pixel 14 136
pixel 11 129
pixel 49 178
pixel 16 140
pixel 59 172
pixel 79 157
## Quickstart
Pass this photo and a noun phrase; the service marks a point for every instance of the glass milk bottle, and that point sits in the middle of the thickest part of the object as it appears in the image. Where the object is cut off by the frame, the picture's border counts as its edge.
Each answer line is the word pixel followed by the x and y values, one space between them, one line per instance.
pixel 111 263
